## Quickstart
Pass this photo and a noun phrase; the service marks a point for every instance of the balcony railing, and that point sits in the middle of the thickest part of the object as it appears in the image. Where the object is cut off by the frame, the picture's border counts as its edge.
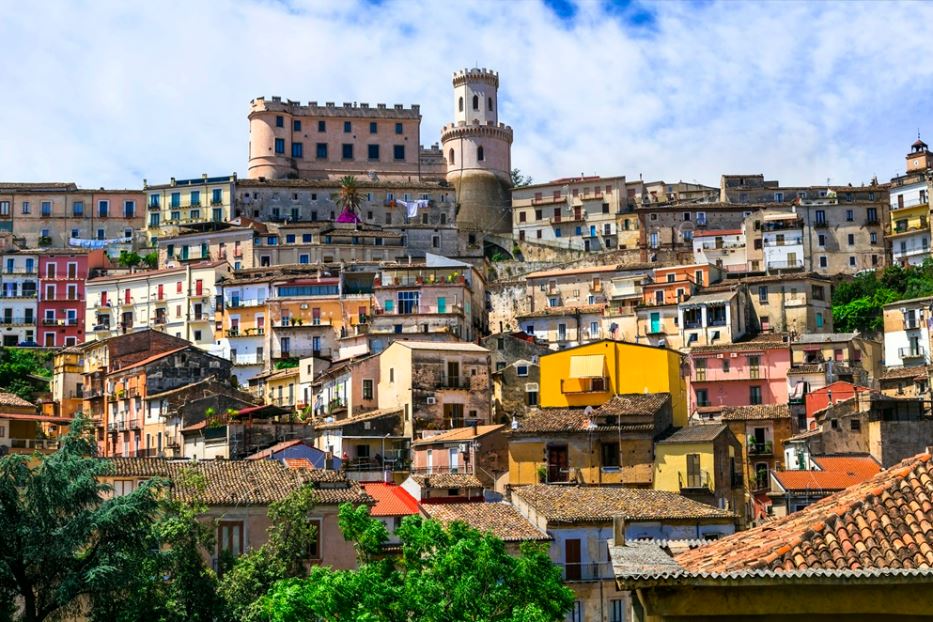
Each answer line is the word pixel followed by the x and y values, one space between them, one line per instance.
pixel 35 443
pixel 245 332
pixel 587 571
pixel 453 382
pixel 758 448
pixel 10 321
pixel 784 265
pixel 246 359
pixel 896 205
pixel 248 302
pixel 699 480
pixel 912 352
pixel 29 293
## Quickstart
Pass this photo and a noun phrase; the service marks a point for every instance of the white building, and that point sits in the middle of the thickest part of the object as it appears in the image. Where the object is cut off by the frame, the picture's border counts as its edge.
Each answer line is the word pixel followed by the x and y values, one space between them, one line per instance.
pixel 907 332
pixel 782 241
pixel 243 339
pixel 19 280
pixel 724 248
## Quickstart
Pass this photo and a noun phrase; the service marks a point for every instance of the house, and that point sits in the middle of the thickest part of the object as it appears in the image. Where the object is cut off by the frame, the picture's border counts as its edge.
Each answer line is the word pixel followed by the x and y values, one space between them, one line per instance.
pixel 20 429
pixel 235 434
pixel 703 463
pixel 237 494
pixel 761 430
pixel 438 385
pixel 444 488
pixel 517 375
pixel 723 248
pixel 580 520
pixel 860 554
pixel 590 375
pixel 906 381
pixel 500 519
pixel 819 399
pixel 658 325
pixel 907 332
pixel 297 449
pixel 371 445
pixel 19 284
pixel 671 285
pixel 842 356
pixel 63 276
pixel 794 489
pixel 714 318
pixel 611 444
pixel 909 196
pixel 191 202
pixel 393 503
pixel 796 303
pixel 475 450
pixel 747 372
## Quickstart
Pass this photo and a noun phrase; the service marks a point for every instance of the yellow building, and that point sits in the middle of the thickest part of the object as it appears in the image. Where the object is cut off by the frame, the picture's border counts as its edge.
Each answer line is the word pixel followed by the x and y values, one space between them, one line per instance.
pixel 704 463
pixel 67 384
pixel 187 202
pixel 591 374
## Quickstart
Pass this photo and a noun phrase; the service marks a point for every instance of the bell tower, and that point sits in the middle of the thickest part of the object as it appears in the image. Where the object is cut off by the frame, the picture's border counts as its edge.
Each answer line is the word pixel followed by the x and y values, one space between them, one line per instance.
pixel 919 158
pixel 478 150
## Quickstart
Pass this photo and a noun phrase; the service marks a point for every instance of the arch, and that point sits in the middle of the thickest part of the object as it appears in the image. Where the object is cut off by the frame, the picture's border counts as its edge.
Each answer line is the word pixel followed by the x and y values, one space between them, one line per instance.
pixel 451 158
pixel 476 102
pixel 489 104
pixel 480 155
pixel 461 104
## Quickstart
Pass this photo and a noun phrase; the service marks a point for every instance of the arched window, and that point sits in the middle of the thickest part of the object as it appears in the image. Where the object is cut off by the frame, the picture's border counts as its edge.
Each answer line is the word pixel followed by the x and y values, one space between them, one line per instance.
pixel 479 154
pixel 461 104
pixel 476 102
pixel 489 104
pixel 451 158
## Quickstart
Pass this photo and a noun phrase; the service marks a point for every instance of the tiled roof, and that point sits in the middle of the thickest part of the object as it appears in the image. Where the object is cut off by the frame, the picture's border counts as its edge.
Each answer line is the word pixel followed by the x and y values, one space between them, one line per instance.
pixel 759 411
pixel 447 480
pixel 578 420
pixel 391 500
pixel 770 341
pixel 452 346
pixel 459 434
pixel 500 519
pixel 599 504
pixel 885 522
pixel 702 433
pixel 268 451
pixel 565 310
pixel 895 373
pixel 367 416
pixel 826 337
pixel 837 473
pixel 240 482
pixel 810 368
pixel 11 399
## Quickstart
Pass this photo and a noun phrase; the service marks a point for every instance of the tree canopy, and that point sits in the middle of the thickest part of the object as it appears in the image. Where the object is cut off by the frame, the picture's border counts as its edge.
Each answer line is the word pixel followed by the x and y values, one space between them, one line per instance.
pixel 17 365
pixel 857 303
pixel 444 574
pixel 519 180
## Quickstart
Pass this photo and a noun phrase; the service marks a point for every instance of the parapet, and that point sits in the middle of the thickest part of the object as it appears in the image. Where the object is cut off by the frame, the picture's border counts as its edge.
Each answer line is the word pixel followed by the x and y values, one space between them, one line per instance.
pixel 476 75
pixel 330 109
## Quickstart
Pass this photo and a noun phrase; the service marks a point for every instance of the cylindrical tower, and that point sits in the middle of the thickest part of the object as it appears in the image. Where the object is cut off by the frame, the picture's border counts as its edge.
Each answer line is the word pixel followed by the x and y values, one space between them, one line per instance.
pixel 270 138
pixel 478 152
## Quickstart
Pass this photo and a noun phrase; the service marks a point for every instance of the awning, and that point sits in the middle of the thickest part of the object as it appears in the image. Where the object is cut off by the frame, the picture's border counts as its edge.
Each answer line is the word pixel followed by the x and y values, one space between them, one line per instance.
pixel 587 366
pixel 782 216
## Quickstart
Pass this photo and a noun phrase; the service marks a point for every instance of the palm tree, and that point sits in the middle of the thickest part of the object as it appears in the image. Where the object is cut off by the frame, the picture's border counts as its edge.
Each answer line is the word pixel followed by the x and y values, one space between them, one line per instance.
pixel 349 198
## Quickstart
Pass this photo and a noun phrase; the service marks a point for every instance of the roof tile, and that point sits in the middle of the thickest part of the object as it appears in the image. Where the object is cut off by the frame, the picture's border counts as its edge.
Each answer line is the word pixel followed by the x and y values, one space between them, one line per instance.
pixel 500 519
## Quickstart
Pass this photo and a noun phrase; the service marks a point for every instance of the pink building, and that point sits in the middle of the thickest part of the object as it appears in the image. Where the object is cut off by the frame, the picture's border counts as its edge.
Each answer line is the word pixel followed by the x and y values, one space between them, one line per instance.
pixel 475 450
pixel 739 374
pixel 62 275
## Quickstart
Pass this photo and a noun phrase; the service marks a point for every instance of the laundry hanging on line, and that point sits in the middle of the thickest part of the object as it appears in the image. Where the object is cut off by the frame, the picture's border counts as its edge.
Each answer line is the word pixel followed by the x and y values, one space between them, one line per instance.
pixel 412 207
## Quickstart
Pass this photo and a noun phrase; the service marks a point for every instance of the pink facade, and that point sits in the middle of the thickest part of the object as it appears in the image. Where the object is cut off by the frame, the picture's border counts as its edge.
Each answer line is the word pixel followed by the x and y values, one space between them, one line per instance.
pixel 61 299
pixel 737 375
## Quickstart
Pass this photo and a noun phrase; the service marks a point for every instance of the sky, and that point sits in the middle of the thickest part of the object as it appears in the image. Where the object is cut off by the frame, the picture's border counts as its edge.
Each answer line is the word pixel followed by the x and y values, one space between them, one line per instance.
pixel 107 92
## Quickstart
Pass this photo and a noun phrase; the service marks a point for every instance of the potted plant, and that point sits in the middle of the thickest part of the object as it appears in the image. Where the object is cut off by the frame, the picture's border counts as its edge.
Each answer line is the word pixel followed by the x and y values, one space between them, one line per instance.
pixel 542 474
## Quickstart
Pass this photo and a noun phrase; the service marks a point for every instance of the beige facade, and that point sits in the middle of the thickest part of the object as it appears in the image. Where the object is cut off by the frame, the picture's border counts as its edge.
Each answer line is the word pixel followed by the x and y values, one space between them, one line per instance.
pixel 181 202
pixel 850 350
pixel 233 245
pixel 60 215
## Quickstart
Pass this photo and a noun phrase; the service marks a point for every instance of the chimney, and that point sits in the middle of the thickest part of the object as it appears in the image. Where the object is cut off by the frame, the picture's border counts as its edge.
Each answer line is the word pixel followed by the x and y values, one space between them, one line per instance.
pixel 474 426
pixel 618 530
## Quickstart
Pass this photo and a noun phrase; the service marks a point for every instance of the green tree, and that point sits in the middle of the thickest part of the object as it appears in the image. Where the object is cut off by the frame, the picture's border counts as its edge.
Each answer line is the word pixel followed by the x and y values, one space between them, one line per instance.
pixel 129 259
pixel 152 260
pixel 17 368
pixel 349 197
pixel 444 574
pixel 519 180
pixel 63 543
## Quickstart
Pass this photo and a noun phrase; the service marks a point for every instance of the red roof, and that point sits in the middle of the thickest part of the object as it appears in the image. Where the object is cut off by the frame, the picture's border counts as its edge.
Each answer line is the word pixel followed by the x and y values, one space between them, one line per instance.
pixel 36 417
pixel 708 233
pixel 298 463
pixel 154 357
pixel 837 473
pixel 391 500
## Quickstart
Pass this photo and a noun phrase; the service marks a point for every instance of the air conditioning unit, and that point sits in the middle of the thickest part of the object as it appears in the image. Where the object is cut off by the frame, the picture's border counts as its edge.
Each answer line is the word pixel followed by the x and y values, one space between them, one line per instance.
pixel 304 305
pixel 431 400
pixel 733 355
pixel 719 356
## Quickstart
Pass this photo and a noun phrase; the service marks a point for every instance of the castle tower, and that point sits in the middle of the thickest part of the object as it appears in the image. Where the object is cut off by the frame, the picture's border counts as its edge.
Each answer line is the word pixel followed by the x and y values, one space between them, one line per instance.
pixel 478 152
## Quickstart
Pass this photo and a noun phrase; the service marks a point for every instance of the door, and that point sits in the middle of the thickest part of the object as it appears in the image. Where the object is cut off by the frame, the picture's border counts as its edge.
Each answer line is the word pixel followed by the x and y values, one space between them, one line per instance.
pixel 655 322
pixel 453 373
pixel 572 560
pixel 557 463
pixel 693 471
pixel 430 461
pixel 791 260
pixel 442 305
pixel 454 460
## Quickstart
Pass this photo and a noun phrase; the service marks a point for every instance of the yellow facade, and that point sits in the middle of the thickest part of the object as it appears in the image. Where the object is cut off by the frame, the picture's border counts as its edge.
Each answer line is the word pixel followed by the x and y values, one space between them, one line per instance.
pixel 527 458
pixel 670 463
pixel 908 219
pixel 627 368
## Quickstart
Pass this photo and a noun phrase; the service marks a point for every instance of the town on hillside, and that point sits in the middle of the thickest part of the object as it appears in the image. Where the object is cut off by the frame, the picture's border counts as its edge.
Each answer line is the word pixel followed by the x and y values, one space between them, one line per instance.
pixel 692 396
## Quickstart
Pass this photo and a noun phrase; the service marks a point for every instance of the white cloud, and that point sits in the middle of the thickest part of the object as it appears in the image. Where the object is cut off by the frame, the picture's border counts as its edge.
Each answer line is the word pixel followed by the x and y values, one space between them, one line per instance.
pixel 106 93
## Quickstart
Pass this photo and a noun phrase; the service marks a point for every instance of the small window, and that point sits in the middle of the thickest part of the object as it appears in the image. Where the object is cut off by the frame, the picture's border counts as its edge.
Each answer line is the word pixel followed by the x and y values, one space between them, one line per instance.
pixel 480 154
pixel 296 125
pixel 373 127
pixel 347 127
pixel 398 152
pixel 347 151
pixel 855 425
pixel 321 126
pixel 521 370
pixel 372 152
pixel 398 128
pixel 280 145
pixel 279 121
pixel 476 102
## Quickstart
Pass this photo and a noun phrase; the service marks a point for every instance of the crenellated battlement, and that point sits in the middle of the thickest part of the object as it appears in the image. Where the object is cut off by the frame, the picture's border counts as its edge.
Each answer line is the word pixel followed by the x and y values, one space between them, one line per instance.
pixel 476 75
pixel 331 109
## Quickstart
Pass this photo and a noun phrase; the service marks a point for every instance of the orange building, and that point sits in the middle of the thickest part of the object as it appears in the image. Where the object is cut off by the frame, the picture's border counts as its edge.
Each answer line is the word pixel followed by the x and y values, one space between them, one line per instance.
pixel 676 284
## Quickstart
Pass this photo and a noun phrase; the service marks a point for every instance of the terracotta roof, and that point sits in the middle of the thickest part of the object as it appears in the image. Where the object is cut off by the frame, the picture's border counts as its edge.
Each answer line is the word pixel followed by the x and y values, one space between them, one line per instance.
pixel 885 522
pixel 836 473
pixel 759 411
pixel 391 500
pixel 240 482
pixel 769 341
pixel 453 346
pixel 500 519
pixel 154 357
pixel 268 451
pixel 459 434
pixel 896 373
pixel 447 480
pixel 634 404
pixel 572 271
pixel 809 338
pixel 702 433
pixel 36 417
pixel 11 399
pixel 578 420
pixel 599 504
pixel 367 416
pixel 811 368
pixel 565 310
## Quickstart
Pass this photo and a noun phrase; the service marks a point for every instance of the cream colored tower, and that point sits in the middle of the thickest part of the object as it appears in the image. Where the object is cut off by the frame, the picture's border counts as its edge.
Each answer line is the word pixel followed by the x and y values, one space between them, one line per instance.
pixel 478 150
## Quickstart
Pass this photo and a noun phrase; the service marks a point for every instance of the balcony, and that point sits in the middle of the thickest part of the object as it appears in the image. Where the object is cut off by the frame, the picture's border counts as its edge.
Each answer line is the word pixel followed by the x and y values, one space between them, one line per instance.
pixel 820 224
pixel 299 323
pixel 587 571
pixel 795 264
pixel 17 320
pixel 787 242
pixel 584 385
pixel 245 332
pixel 25 294
pixel 33 444
pixel 246 359
pixel 695 481
pixel 760 448
pixel 49 321
pixel 912 353
pixel 903 204
pixel 452 382
pixel 236 303
pixel 20 271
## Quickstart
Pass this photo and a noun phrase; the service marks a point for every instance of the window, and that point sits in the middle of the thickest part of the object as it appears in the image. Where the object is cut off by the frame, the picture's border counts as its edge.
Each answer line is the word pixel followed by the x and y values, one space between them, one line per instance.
pixel 298 150
pixel 46 208
pixel 763 294
pixel 4 208
pixel 725 366
pixel 616 610
pixel 475 102
pixel 851 239
pixel 279 121
pixel 531 396
pixel 372 152
pixel 321 126
pixel 296 125
pixel 850 215
pixel 702 397
pixel 373 127
pixel 77 208
pixel 521 370
pixel 754 395
pixel 480 154
pixel 820 217
pixel 872 215
pixel 489 104
pixel 347 127
pixel 855 425
pixel 103 208
pixel 823 262
pixel 819 319
pixel 175 200
pixel 347 151
pixel 852 261
pixel 610 455
pixel 321 151
pixel 230 537
pixel 398 152
pixel 280 145
pixel 821 239
pixel 873 237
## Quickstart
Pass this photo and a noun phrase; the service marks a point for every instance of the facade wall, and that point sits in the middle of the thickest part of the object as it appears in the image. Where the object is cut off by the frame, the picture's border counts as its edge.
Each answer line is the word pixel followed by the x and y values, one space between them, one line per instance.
pixel 19 285
pixel 727 378
pixel 907 337
pixel 187 202
pixel 61 296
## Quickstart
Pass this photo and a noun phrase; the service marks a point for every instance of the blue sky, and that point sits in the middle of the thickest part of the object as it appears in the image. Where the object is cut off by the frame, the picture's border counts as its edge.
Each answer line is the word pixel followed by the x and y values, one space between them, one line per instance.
pixel 107 92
